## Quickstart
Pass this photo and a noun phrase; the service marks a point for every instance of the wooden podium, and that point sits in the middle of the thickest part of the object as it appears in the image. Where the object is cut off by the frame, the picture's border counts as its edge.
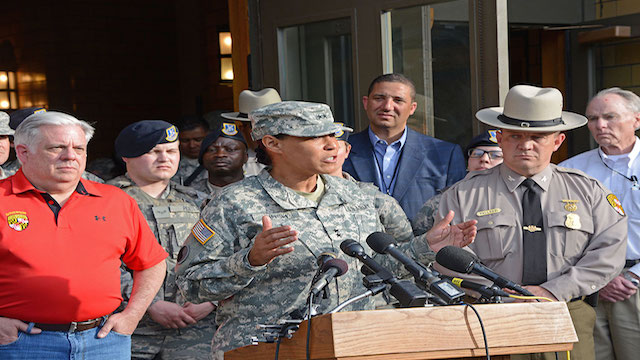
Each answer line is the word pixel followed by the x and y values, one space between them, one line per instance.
pixel 446 332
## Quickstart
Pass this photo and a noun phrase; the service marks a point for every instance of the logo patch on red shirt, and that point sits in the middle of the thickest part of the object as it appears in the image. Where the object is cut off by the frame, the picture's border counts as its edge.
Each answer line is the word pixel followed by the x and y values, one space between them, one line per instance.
pixel 17 220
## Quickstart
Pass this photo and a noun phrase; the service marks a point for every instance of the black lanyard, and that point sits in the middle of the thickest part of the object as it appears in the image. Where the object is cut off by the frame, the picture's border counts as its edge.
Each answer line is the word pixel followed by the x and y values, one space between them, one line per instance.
pixel 387 189
pixel 632 178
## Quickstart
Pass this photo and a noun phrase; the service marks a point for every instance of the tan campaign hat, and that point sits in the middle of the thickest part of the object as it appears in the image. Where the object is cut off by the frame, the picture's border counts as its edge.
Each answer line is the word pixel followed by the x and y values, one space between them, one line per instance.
pixel 252 100
pixel 530 108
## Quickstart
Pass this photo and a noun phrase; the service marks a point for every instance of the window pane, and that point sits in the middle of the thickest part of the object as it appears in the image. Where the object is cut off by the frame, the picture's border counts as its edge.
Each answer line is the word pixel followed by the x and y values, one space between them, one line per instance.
pixel 315 64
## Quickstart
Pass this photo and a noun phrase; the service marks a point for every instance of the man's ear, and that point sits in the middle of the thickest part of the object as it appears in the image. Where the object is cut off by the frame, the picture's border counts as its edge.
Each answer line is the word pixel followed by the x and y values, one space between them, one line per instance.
pixel 22 151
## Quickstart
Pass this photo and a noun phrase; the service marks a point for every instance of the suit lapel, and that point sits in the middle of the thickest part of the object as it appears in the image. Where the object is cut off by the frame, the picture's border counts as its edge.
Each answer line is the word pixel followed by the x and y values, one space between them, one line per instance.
pixel 361 157
pixel 412 158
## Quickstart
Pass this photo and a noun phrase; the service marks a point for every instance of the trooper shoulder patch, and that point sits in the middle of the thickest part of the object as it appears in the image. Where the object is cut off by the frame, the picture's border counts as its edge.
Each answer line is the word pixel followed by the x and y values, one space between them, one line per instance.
pixel 172 134
pixel 229 129
pixel 202 232
pixel 615 204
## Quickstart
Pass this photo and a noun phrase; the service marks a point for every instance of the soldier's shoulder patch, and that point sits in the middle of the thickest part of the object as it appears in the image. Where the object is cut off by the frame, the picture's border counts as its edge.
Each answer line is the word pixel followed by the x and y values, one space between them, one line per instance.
pixel 615 204
pixel 229 129
pixel 202 232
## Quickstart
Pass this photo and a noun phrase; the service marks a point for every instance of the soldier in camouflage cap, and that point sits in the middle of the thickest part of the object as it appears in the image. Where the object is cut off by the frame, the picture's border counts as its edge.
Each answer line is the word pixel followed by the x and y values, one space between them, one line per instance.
pixel 172 328
pixel 5 145
pixel 294 118
pixel 256 245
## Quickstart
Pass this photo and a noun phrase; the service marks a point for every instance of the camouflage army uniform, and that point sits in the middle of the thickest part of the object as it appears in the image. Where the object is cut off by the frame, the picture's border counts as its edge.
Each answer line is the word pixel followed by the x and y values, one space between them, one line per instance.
pixel 425 218
pixel 171 218
pixel 392 217
pixel 214 266
pixel 204 186
pixel 2 174
pixel 185 168
pixel 11 167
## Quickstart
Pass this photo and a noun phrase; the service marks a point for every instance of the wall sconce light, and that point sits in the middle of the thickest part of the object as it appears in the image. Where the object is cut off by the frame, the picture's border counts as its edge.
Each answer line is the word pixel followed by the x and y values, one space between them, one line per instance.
pixel 226 64
pixel 8 83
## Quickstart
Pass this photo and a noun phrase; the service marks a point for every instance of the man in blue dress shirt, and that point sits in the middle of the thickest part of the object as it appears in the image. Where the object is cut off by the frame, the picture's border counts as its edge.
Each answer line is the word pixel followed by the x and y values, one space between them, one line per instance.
pixel 403 163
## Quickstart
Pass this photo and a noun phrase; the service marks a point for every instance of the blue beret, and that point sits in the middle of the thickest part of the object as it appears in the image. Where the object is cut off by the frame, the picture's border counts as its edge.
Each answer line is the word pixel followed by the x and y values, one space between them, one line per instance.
pixel 19 115
pixel 226 129
pixel 486 138
pixel 140 137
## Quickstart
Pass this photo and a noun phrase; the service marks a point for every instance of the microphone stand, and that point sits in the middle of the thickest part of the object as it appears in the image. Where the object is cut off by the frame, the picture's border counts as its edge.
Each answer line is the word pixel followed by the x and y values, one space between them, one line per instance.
pixel 374 290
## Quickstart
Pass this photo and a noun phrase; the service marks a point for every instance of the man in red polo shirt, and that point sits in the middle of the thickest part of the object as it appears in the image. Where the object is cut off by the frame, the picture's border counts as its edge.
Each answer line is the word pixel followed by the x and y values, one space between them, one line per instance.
pixel 62 240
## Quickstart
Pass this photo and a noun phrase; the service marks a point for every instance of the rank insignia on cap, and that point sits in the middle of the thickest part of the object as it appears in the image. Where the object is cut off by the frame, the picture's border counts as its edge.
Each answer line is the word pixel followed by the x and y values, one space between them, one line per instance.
pixel 202 232
pixel 492 136
pixel 229 129
pixel 172 134
pixel 17 220
pixel 615 204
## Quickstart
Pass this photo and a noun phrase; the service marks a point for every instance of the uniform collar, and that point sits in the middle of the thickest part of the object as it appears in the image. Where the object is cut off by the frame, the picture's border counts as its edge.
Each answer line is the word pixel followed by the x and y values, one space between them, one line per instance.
pixel 288 199
pixel 512 179
pixel 20 184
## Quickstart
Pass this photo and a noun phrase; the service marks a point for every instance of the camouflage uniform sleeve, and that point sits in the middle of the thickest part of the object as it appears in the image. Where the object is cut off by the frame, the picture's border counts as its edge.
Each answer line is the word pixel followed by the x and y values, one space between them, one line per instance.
pixel 425 218
pixel 212 264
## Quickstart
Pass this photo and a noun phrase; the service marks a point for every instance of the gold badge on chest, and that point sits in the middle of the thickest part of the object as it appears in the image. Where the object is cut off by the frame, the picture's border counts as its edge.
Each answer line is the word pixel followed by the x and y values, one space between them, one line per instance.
pixel 572 221
pixel 570 205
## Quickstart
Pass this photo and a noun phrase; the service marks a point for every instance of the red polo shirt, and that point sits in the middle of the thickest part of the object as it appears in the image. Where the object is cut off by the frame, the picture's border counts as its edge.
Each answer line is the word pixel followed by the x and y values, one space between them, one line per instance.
pixel 68 269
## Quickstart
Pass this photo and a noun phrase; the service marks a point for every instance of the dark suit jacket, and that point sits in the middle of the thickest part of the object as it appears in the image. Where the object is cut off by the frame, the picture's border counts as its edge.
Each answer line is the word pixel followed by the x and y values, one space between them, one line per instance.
pixel 427 166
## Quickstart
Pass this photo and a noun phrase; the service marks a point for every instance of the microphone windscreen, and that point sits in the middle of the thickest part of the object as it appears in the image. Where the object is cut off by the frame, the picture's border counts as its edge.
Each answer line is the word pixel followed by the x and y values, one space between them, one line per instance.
pixel 339 264
pixel 351 247
pixel 379 242
pixel 455 259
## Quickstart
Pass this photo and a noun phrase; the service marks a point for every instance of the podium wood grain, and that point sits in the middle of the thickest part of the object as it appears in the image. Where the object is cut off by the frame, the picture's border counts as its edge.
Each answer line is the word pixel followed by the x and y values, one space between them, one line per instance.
pixel 445 332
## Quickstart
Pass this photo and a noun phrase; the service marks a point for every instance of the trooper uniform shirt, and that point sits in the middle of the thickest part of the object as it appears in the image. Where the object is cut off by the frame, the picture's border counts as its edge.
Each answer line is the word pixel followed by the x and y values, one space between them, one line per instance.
pixel 584 224
pixel 171 218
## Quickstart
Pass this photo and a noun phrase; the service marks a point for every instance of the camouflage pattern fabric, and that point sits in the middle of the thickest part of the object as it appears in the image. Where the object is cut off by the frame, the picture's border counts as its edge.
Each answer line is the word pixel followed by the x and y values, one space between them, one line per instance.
pixel 170 217
pixel 295 118
pixel 185 168
pixel 214 265
pixel 425 218
pixel 2 174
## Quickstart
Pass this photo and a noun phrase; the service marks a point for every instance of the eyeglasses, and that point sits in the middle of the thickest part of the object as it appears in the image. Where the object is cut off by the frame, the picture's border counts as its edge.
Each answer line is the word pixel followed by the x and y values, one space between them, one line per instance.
pixel 478 153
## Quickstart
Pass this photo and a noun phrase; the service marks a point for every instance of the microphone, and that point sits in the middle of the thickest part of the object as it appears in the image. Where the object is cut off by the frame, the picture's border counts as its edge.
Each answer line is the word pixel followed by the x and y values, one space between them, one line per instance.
pixel 444 289
pixel 462 261
pixel 331 268
pixel 486 291
pixel 407 293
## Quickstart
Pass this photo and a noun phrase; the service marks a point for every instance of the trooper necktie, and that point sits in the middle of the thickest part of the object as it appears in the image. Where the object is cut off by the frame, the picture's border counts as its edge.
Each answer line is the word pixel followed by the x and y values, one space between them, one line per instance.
pixel 534 241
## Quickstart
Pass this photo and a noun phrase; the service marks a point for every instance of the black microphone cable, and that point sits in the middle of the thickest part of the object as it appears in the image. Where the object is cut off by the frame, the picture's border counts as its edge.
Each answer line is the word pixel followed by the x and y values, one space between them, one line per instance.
pixel 484 333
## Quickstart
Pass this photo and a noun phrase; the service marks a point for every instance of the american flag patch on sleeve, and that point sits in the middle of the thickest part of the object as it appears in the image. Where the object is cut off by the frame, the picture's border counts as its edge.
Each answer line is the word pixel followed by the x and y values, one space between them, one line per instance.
pixel 202 232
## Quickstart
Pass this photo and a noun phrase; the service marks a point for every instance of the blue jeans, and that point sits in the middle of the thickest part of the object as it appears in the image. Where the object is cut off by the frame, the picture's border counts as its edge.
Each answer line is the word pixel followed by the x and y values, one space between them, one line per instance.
pixel 57 345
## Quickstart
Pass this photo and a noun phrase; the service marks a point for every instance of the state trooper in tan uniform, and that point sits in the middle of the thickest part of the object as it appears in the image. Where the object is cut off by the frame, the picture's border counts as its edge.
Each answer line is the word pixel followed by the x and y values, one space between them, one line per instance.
pixel 171 328
pixel 583 224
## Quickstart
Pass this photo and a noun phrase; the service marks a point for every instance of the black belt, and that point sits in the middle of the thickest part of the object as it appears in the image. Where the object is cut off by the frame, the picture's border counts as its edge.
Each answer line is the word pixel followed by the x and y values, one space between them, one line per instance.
pixel 72 326
pixel 630 263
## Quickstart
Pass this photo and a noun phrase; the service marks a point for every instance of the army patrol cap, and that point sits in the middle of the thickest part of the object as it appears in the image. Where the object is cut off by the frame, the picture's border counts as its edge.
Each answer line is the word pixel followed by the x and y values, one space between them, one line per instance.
pixel 294 118
pixel 18 116
pixel 530 108
pixel 4 124
pixel 228 130
pixel 140 137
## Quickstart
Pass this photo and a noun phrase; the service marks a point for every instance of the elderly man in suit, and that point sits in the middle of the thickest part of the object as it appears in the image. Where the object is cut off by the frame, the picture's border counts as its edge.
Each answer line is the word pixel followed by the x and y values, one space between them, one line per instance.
pixel 403 163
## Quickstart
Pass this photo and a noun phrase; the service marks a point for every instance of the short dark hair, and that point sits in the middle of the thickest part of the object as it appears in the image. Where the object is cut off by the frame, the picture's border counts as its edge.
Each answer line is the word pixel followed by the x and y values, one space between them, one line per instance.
pixel 394 77
pixel 191 122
